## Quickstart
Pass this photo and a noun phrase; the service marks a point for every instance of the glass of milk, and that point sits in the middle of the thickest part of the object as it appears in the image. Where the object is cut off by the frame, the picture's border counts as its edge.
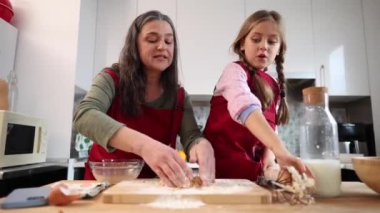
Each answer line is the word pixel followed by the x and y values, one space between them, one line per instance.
pixel 319 147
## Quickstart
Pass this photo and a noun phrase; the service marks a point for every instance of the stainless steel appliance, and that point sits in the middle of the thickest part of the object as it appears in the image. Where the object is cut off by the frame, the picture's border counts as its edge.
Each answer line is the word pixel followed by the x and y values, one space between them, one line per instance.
pixel 356 138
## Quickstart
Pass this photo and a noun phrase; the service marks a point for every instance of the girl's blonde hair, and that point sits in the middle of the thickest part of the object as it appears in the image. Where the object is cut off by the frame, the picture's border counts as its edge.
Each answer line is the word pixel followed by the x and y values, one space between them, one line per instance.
pixel 261 88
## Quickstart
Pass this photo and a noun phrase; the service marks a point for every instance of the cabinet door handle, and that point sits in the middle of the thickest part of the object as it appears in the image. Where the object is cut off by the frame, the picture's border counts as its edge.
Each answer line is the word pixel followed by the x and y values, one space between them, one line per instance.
pixel 322 75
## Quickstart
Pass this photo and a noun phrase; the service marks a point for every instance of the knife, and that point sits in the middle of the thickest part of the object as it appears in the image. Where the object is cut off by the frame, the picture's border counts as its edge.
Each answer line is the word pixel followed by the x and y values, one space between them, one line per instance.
pixel 194 167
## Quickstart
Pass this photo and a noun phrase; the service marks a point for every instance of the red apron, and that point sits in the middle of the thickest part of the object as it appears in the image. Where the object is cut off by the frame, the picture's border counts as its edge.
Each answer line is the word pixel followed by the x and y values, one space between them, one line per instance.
pixel 152 122
pixel 232 142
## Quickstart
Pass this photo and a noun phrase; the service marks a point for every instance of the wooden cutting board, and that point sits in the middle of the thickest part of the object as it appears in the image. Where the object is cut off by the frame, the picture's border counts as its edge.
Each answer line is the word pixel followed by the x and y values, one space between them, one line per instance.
pixel 223 191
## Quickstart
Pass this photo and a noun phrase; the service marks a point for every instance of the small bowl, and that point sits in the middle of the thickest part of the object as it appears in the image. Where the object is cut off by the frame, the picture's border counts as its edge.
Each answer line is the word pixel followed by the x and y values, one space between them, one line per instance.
pixel 114 170
pixel 368 169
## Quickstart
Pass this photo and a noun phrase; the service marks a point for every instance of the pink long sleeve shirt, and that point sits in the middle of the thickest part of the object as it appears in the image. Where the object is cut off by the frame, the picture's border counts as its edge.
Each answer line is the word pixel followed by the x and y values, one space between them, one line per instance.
pixel 232 85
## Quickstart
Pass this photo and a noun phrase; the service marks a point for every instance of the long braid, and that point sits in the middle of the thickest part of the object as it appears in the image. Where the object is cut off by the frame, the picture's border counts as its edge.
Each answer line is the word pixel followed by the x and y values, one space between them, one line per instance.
pixel 282 115
pixel 261 89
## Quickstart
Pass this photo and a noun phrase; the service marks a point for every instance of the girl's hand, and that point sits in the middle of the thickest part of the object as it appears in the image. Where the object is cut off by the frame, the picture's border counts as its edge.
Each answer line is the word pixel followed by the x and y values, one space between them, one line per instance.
pixel 290 160
pixel 167 164
pixel 203 154
pixel 271 168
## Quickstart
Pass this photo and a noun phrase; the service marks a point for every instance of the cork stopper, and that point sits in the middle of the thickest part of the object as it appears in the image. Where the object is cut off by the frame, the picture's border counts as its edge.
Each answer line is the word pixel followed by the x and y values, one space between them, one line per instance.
pixel 315 95
pixel 4 105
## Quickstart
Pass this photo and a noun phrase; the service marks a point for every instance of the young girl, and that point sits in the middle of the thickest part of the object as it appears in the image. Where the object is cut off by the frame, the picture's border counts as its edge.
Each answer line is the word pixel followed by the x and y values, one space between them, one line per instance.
pixel 243 117
pixel 135 109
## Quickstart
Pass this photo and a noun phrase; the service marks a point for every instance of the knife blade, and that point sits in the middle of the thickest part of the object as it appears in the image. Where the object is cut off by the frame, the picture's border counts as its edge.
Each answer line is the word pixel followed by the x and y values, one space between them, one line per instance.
pixel 194 167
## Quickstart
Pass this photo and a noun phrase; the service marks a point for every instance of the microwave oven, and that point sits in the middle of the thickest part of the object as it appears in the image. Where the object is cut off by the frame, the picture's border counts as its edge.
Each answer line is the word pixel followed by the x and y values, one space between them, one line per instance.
pixel 23 139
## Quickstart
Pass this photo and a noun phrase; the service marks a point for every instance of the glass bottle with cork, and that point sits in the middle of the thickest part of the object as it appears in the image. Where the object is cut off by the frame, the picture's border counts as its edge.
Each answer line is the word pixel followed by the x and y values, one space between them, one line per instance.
pixel 4 105
pixel 319 147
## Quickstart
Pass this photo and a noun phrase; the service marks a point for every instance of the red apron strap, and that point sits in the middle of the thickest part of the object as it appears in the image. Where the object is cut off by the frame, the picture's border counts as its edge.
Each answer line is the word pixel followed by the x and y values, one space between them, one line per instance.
pixel 113 75
pixel 177 116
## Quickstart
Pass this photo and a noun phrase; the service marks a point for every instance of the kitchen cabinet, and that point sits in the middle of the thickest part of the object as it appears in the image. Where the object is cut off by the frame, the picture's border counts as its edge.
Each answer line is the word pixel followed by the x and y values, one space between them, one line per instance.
pixel 8 41
pixel 112 22
pixel 297 20
pixel 339 44
pixel 168 7
pixel 113 19
pixel 325 39
pixel 371 14
pixel 86 45
pixel 206 30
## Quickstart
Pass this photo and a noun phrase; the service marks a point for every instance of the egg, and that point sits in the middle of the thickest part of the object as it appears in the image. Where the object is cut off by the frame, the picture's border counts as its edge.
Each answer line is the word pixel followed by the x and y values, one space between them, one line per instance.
pixel 58 198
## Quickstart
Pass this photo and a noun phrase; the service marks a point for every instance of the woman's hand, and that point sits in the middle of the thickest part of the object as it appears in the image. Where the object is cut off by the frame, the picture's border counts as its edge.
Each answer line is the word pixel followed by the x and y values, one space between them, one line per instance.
pixel 167 164
pixel 164 160
pixel 203 154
